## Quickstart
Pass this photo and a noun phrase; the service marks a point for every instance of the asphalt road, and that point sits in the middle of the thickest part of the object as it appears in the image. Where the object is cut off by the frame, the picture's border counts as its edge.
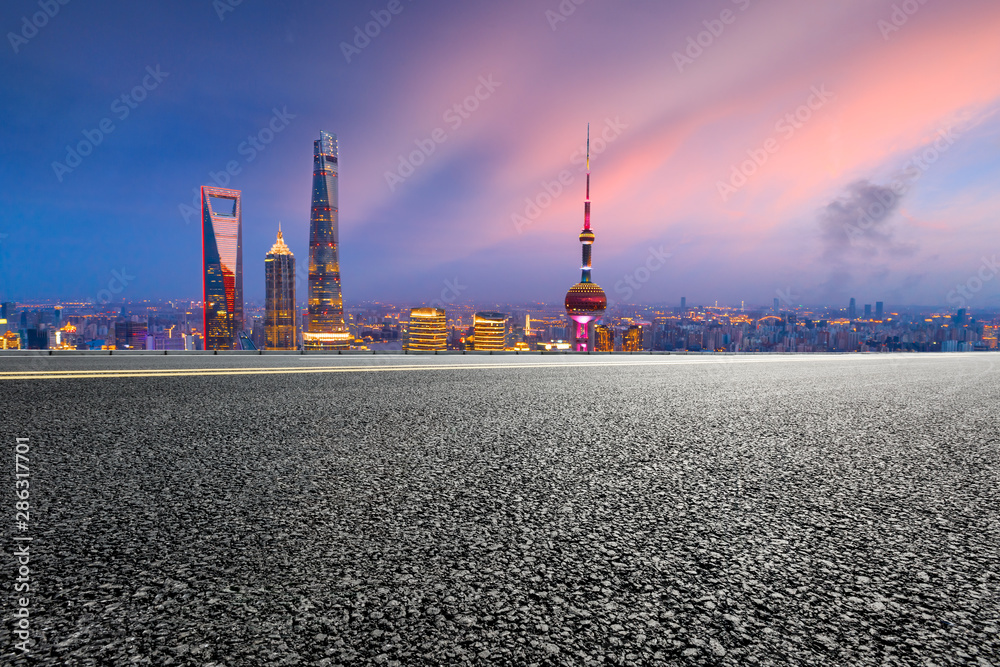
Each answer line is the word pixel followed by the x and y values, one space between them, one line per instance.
pixel 480 510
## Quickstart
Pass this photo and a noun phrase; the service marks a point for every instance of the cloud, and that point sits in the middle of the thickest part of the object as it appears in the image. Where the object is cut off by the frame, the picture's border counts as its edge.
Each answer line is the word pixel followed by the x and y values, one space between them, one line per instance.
pixel 859 224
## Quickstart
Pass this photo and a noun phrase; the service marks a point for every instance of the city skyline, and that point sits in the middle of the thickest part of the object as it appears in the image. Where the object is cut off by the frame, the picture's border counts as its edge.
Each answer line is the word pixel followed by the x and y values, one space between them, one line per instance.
pixel 903 120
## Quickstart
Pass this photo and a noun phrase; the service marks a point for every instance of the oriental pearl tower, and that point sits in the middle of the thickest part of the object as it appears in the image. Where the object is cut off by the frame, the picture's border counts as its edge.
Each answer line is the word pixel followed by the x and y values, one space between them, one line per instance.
pixel 585 301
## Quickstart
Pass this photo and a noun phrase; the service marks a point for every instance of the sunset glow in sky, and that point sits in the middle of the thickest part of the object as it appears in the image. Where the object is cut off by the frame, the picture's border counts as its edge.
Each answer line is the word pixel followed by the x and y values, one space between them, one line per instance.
pixel 823 150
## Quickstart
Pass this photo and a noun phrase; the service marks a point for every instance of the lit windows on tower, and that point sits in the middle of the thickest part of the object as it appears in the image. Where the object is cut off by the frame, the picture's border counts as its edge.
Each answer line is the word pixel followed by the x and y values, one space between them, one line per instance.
pixel 326 327
pixel 605 339
pixel 490 331
pixel 428 330
pixel 279 300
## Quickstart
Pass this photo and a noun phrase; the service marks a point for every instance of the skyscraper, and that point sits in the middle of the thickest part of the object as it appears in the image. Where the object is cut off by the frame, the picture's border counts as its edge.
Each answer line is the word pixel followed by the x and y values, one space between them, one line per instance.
pixel 585 301
pixel 868 311
pixel 428 330
pixel 326 327
pixel 489 331
pixel 222 254
pixel 879 310
pixel 279 299
pixel 852 310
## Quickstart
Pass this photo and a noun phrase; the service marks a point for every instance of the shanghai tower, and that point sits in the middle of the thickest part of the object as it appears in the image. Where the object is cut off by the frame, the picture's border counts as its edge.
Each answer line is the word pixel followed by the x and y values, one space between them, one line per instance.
pixel 325 326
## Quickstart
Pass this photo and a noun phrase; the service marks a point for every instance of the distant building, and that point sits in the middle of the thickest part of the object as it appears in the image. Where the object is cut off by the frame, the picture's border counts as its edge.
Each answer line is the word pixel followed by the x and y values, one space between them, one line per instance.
pixel 632 339
pixel 130 335
pixel 605 338
pixel 279 300
pixel 777 304
pixel 428 330
pixel 162 341
pixel 868 311
pixel 684 303
pixel 879 310
pixel 10 341
pixel 326 327
pixel 489 331
pixel 37 339
pixel 222 244
pixel 852 310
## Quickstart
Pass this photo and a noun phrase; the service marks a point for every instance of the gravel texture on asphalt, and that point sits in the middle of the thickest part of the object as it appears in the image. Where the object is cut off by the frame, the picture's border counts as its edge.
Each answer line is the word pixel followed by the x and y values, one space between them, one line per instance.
pixel 791 512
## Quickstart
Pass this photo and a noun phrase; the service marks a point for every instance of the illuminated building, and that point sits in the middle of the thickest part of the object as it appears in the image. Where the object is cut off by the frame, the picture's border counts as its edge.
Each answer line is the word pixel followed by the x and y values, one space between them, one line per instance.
pixel 585 301
pixel 632 340
pixel 990 337
pixel 222 250
pixel 605 339
pixel 489 331
pixel 326 329
pixel 279 300
pixel 10 341
pixel 428 330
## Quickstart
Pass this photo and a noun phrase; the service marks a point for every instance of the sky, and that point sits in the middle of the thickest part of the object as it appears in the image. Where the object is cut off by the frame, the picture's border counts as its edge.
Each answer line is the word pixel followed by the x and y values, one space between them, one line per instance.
pixel 741 150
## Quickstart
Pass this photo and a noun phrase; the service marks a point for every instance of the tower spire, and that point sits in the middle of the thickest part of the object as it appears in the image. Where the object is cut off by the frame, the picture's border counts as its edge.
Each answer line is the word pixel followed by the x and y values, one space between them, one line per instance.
pixel 585 301
pixel 587 236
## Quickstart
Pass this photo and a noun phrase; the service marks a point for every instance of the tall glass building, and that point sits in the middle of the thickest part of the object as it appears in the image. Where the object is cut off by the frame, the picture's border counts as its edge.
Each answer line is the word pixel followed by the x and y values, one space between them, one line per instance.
pixel 428 330
pixel 222 253
pixel 326 327
pixel 279 298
